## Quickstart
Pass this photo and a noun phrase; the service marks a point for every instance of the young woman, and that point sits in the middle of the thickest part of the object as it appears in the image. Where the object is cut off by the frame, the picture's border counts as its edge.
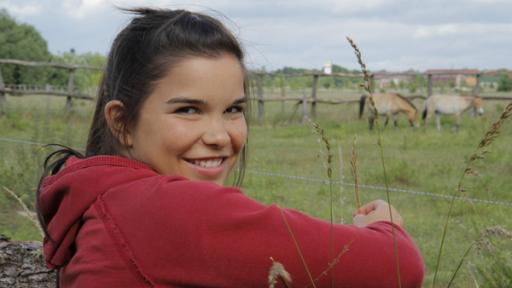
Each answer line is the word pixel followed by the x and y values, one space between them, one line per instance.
pixel 146 206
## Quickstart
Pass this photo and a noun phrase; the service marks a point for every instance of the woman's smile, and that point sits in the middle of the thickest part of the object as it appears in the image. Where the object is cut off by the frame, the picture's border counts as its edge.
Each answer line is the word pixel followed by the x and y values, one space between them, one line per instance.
pixel 209 168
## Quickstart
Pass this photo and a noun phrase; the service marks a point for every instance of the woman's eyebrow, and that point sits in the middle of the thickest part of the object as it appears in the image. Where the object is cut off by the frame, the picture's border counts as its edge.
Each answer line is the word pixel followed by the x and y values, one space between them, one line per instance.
pixel 183 100
pixel 240 100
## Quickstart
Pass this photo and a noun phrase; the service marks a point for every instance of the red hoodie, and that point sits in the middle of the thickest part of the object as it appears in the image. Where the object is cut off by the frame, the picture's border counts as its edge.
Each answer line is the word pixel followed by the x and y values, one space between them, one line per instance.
pixel 115 222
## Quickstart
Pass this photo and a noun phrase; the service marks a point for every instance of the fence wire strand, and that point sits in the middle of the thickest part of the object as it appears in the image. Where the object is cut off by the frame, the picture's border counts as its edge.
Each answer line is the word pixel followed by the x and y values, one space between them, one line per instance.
pixel 377 187
pixel 337 182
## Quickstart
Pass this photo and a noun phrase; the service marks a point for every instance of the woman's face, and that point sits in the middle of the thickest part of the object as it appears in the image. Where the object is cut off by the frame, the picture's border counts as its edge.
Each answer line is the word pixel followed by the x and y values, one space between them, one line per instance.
pixel 193 124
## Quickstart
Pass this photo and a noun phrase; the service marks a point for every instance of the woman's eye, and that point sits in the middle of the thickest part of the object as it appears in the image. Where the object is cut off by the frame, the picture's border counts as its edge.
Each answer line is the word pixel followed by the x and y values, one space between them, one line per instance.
pixel 235 109
pixel 187 110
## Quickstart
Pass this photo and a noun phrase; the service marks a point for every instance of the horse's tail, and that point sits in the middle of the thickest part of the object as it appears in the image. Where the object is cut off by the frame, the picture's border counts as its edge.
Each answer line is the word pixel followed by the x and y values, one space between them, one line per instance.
pixel 362 100
pixel 425 112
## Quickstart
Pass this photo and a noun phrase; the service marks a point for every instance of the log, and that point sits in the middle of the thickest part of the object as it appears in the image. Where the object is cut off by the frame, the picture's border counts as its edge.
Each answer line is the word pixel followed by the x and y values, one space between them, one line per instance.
pixel 22 265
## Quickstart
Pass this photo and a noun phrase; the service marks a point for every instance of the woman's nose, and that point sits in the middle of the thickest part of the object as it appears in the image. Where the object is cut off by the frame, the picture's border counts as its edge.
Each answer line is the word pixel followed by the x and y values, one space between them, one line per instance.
pixel 216 134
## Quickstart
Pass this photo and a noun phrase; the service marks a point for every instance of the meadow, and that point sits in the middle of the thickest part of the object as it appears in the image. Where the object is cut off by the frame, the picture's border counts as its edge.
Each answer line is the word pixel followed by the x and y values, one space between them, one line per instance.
pixel 287 166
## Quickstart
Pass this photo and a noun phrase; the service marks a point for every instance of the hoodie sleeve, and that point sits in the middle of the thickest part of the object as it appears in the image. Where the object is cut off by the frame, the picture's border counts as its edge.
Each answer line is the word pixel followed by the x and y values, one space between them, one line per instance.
pixel 201 234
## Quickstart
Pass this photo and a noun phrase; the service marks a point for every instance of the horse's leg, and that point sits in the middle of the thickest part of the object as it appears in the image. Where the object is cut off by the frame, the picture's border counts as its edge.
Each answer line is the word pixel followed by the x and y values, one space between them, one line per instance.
pixel 371 120
pixel 457 122
pixel 438 121
pixel 395 122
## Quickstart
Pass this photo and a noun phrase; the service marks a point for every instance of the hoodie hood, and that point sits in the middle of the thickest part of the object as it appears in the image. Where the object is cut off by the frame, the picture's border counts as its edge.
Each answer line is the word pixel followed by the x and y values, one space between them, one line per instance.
pixel 66 196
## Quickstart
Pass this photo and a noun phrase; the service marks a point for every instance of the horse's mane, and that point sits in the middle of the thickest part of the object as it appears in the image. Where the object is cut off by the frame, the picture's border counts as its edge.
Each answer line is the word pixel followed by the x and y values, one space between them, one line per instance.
pixel 406 100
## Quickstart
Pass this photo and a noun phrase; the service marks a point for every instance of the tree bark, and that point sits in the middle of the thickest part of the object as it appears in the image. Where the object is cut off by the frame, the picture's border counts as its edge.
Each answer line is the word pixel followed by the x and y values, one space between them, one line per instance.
pixel 22 265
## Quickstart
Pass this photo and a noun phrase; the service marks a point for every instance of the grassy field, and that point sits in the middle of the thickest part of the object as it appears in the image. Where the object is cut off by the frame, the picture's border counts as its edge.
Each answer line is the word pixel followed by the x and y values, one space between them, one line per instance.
pixel 287 166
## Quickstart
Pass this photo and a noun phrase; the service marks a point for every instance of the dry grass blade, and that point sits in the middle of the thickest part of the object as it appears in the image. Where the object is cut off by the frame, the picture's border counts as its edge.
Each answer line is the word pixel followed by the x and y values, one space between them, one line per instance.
pixel 367 87
pixel 299 251
pixel 333 263
pixel 342 181
pixel 353 165
pixel 360 60
pixel 492 133
pixel 366 83
pixel 460 264
pixel 29 214
pixel 277 272
pixel 323 139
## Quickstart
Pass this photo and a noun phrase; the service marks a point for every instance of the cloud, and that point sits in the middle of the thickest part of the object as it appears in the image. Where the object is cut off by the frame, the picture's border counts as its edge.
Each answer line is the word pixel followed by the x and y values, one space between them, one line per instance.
pixel 491 1
pixel 461 29
pixel 350 6
pixel 437 30
pixel 22 10
pixel 81 9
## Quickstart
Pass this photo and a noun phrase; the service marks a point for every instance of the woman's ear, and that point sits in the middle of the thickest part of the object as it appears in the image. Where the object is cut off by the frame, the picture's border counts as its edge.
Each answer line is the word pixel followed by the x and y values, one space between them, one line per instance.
pixel 114 109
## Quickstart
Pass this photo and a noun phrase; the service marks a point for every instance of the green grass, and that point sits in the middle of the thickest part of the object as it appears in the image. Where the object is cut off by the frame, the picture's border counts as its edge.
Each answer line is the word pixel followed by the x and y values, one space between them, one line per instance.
pixel 420 159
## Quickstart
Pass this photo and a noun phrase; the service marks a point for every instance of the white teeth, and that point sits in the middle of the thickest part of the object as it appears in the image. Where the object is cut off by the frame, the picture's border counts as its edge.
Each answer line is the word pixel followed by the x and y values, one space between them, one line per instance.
pixel 211 163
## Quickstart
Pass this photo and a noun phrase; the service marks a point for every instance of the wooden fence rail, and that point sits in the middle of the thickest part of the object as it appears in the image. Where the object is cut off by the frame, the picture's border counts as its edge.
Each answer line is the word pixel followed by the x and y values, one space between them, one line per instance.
pixel 256 78
pixel 19 90
pixel 313 99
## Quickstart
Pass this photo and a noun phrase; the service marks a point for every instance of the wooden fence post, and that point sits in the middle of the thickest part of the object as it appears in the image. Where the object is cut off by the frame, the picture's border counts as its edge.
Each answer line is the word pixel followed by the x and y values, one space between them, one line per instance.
pixel 71 90
pixel 2 95
pixel 259 92
pixel 429 85
pixel 304 107
pixel 313 95
pixel 476 90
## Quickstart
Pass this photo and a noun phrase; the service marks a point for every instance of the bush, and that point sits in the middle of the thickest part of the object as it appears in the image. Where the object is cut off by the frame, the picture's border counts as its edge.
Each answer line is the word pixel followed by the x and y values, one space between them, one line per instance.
pixel 505 84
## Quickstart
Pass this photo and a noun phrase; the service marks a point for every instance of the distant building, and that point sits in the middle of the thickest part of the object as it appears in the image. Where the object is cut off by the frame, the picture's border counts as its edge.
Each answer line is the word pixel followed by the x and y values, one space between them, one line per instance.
pixel 328 68
pixel 458 76
pixel 386 79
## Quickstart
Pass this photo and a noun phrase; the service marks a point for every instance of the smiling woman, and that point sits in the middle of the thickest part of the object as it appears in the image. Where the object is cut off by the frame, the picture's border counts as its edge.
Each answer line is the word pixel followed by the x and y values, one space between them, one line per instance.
pixel 192 123
pixel 146 205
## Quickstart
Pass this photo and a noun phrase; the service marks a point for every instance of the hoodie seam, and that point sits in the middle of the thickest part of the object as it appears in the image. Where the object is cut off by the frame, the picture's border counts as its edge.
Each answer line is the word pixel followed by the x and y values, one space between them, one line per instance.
pixel 119 241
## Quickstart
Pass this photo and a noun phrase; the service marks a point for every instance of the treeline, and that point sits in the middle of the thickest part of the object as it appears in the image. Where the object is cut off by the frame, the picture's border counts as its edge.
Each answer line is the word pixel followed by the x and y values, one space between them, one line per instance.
pixel 22 41
pixel 287 77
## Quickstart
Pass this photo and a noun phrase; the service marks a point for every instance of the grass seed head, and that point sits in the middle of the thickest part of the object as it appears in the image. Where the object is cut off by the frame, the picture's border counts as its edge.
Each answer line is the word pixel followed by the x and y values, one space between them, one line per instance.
pixel 277 272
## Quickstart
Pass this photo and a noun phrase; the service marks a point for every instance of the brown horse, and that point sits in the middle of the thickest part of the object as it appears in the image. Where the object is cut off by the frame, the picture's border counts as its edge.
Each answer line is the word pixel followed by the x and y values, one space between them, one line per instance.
pixel 451 104
pixel 389 105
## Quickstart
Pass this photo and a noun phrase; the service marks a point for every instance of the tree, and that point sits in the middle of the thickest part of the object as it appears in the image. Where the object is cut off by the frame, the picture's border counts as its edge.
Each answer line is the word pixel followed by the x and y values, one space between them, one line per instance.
pixel 21 41
pixel 505 84
pixel 84 78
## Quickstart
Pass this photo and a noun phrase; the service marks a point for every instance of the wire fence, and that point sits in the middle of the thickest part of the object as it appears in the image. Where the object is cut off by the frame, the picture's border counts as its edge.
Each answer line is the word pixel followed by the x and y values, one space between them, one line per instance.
pixel 383 188
pixel 437 196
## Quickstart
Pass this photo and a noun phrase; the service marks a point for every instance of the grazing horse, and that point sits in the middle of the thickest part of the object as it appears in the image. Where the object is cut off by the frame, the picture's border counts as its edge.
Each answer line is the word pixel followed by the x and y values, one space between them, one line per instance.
pixel 451 104
pixel 389 105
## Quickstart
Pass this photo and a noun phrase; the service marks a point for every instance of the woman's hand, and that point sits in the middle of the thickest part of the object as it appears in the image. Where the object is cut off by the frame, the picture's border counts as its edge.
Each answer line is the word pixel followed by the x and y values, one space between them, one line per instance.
pixel 375 211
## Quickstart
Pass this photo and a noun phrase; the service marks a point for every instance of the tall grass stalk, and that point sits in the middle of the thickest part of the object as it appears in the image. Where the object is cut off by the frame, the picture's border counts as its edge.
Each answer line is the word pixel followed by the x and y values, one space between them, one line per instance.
pixel 367 87
pixel 460 264
pixel 492 133
pixel 342 181
pixel 29 214
pixel 328 161
pixel 353 166
pixel 297 246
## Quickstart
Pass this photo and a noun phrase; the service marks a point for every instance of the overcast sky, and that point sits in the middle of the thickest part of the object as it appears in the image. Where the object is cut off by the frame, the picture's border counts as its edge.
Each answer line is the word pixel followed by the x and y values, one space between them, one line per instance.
pixel 393 34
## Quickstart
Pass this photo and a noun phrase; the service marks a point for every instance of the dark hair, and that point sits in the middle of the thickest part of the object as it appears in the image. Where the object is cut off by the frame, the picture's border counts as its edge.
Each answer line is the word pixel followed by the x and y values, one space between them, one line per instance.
pixel 141 54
